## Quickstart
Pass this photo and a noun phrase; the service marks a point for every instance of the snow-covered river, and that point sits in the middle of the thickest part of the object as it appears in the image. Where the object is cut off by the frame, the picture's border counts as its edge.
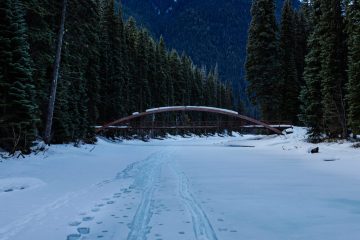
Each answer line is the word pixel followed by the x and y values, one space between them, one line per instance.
pixel 233 188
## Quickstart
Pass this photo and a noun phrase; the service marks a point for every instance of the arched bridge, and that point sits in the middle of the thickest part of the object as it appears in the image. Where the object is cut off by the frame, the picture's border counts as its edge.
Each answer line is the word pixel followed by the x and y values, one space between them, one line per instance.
pixel 203 109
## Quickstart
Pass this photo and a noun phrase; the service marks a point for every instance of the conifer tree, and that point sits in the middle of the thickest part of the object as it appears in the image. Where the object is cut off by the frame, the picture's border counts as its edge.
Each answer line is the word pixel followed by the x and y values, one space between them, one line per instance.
pixel 131 33
pixel 162 74
pixel 187 76
pixel 142 89
pixel 353 97
pixel 302 30
pixel 177 75
pixel 229 98
pixel 333 67
pixel 211 94
pixel 262 66
pixel 92 67
pixel 152 76
pixel 113 70
pixel 118 71
pixel 78 88
pixel 311 107
pixel 55 74
pixel 197 97
pixel 289 85
pixel 42 20
pixel 17 107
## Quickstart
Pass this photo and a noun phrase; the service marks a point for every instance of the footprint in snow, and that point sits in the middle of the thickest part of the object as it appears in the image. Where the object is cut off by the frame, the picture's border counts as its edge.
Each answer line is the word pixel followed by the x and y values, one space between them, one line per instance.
pixel 222 229
pixel 74 224
pixel 73 237
pixel 83 230
pixel 86 219
pixel 6 190
pixel 95 209
pixel 110 202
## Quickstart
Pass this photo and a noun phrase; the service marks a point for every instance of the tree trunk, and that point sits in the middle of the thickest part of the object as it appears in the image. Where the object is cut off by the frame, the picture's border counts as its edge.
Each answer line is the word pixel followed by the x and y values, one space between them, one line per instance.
pixel 55 75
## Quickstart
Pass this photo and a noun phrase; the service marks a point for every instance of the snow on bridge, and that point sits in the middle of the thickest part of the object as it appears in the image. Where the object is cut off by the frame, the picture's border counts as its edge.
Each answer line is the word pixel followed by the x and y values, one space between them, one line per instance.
pixel 191 108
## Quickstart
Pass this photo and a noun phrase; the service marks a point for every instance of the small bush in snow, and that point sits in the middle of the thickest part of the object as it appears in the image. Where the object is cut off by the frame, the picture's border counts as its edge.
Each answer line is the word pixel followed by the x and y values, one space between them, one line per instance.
pixel 356 145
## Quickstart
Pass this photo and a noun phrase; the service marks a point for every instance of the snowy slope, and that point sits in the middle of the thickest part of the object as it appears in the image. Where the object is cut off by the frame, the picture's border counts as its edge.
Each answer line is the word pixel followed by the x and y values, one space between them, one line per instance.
pixel 242 187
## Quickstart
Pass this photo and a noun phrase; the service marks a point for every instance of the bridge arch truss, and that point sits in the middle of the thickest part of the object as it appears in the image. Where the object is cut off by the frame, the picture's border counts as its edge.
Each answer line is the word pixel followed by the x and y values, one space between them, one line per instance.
pixel 202 109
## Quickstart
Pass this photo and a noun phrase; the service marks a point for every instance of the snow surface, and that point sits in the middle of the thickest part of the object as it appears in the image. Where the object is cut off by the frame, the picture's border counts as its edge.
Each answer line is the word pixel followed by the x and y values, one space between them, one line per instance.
pixel 225 188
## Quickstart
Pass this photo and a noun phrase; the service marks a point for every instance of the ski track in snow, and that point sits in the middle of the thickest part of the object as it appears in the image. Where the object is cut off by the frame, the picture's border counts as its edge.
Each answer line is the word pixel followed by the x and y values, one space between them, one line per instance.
pixel 146 176
pixel 156 198
pixel 202 227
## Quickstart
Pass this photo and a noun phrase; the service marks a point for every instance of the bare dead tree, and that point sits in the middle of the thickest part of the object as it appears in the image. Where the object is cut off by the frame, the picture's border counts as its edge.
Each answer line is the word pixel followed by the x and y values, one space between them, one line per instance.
pixel 55 75
pixel 16 138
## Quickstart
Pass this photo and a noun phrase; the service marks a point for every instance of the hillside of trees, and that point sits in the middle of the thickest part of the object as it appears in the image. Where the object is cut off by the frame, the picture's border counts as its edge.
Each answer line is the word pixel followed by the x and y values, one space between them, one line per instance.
pixel 212 32
pixel 303 68
pixel 307 69
pixel 109 69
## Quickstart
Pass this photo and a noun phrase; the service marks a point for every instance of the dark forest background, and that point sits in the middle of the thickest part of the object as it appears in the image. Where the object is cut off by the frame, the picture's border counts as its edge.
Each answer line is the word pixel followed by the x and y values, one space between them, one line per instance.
pixel 212 32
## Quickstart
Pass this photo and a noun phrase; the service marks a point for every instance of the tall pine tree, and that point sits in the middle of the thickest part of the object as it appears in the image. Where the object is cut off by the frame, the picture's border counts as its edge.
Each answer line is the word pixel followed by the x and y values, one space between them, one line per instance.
pixel 289 85
pixel 262 65
pixel 333 67
pixel 17 107
pixel 353 97
pixel 311 107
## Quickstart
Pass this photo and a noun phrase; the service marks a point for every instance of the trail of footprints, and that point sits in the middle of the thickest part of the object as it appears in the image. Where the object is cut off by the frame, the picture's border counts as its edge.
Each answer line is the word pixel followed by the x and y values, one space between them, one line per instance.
pixel 126 214
pixel 81 229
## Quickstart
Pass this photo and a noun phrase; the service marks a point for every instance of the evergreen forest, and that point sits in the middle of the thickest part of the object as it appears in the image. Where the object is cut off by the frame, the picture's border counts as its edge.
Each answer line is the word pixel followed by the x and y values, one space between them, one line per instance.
pixel 109 69
pixel 306 68
pixel 301 67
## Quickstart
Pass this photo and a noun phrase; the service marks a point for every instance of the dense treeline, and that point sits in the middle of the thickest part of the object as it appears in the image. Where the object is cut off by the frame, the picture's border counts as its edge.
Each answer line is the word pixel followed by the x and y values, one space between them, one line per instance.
pixel 109 69
pixel 307 70
pixel 210 31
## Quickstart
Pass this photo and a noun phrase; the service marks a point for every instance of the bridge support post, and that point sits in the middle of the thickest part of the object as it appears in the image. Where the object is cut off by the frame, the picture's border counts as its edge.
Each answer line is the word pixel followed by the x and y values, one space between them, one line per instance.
pixel 152 133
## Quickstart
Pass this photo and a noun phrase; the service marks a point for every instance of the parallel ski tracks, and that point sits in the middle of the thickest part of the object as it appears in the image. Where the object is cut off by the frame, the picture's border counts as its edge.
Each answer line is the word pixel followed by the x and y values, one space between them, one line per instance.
pixel 147 175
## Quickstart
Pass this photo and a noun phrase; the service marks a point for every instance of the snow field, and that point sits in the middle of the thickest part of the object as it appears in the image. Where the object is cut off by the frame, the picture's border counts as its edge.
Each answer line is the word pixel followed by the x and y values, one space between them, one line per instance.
pixel 242 187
